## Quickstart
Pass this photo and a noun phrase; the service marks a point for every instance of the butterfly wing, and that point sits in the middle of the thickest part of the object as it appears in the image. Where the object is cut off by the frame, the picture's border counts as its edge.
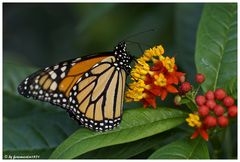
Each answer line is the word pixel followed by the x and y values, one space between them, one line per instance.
pixel 53 84
pixel 91 88
pixel 96 100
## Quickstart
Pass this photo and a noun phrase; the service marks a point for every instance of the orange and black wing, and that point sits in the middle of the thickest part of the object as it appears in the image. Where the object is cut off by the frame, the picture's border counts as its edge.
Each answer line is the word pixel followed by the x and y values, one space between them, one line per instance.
pixel 96 100
pixel 53 84
pixel 90 88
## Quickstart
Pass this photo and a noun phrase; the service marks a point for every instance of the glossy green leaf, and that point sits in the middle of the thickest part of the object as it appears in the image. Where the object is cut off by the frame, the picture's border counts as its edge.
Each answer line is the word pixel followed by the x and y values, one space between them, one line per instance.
pixel 183 149
pixel 131 149
pixel 136 124
pixel 231 87
pixel 126 150
pixel 216 49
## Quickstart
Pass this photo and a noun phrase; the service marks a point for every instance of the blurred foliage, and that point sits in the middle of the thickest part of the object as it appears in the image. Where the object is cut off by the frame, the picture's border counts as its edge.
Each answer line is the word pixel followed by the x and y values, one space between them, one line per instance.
pixel 43 34
pixel 39 35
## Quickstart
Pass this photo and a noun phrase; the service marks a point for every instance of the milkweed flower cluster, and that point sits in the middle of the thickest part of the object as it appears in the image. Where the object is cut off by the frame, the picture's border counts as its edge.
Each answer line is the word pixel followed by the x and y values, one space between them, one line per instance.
pixel 153 75
pixel 213 109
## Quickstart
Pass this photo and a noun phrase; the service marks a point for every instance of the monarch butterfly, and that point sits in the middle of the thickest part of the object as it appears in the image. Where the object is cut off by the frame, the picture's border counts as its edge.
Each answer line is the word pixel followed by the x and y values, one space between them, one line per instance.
pixel 90 88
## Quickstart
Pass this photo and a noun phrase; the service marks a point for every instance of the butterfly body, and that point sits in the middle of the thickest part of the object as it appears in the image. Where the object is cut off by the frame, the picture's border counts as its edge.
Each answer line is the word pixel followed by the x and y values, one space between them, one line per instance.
pixel 90 88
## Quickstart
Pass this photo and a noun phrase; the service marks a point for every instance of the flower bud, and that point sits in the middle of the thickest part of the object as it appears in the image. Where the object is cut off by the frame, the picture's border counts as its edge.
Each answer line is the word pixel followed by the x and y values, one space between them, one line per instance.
pixel 222 121
pixel 200 78
pixel 210 121
pixel 177 100
pixel 200 100
pixel 219 93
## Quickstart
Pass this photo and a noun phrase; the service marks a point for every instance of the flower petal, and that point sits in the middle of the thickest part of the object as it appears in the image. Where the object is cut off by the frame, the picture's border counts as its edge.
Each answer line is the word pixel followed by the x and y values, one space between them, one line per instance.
pixel 203 133
pixel 151 101
pixel 155 90
pixel 195 134
pixel 171 89
pixel 164 94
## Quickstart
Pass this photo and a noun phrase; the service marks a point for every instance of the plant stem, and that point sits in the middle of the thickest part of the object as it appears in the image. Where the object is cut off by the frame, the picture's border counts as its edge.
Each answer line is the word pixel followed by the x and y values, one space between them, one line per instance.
pixel 192 106
pixel 196 91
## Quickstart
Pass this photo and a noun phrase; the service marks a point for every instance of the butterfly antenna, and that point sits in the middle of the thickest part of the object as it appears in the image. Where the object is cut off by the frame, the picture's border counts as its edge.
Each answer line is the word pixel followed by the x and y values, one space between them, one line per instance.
pixel 140 33
pixel 135 59
pixel 126 39
pixel 137 43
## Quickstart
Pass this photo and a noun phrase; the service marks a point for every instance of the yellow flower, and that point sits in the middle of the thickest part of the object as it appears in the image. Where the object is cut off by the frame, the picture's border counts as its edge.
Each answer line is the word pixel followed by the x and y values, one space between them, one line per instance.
pixel 168 63
pixel 135 91
pixel 158 50
pixel 140 70
pixel 160 80
pixel 153 75
pixel 193 120
pixel 155 51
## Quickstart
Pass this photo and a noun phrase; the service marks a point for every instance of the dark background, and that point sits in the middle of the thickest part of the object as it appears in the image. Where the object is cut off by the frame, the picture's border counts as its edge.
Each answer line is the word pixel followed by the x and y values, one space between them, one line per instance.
pixel 43 34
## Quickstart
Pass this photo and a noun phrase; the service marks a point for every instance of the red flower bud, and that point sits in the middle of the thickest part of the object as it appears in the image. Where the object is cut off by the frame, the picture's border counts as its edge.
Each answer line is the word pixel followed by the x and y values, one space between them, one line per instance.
pixel 182 78
pixel 200 78
pixel 185 87
pixel 232 111
pixel 210 121
pixel 222 121
pixel 200 100
pixel 219 93
pixel 211 104
pixel 219 110
pixel 228 101
pixel 203 110
pixel 209 95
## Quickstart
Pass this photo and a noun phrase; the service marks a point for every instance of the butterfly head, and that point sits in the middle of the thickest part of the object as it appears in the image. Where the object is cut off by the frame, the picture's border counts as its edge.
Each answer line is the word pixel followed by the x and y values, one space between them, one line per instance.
pixel 122 57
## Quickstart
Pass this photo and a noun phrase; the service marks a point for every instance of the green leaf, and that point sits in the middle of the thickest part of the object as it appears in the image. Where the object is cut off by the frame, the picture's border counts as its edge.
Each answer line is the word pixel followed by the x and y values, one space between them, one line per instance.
pixel 126 150
pixel 231 87
pixel 136 124
pixel 131 149
pixel 183 149
pixel 216 49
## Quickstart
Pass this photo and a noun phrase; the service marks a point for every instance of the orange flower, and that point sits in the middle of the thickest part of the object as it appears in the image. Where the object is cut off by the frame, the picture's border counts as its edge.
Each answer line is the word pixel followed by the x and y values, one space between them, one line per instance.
pixel 154 75
pixel 194 121
pixel 202 131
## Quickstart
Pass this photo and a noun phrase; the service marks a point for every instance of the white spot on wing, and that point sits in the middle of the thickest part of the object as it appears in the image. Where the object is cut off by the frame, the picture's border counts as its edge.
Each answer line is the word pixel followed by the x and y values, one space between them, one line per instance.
pixel 63 68
pixel 56 67
pixel 62 75
pixel 53 75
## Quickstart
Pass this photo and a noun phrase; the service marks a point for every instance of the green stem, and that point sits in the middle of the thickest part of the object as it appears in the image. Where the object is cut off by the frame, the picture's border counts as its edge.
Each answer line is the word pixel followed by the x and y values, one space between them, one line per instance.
pixel 191 99
pixel 196 92
pixel 191 106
